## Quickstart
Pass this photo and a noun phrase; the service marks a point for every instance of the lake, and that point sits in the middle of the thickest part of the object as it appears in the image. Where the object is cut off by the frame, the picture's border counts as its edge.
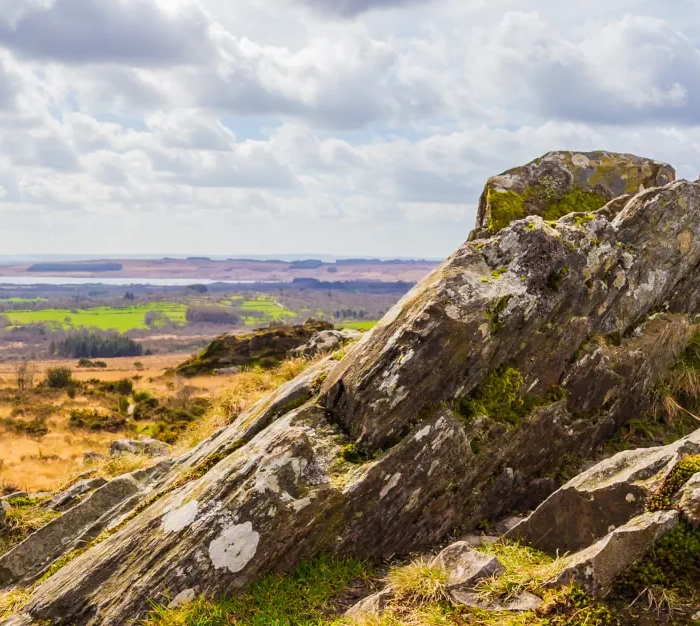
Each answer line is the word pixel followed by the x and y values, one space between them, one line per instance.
pixel 155 282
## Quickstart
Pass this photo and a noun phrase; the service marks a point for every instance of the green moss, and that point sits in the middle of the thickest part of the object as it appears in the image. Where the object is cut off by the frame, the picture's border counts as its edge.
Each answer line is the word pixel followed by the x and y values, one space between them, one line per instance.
pixel 504 207
pixel 556 278
pixel 497 273
pixel 576 201
pixel 494 314
pixel 352 455
pixel 581 219
pixel 673 564
pixel 680 474
pixel 498 397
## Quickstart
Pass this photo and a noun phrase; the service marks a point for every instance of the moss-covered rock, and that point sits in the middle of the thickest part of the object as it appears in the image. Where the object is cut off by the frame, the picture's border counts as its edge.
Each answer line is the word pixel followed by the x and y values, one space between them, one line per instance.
pixel 560 183
pixel 266 347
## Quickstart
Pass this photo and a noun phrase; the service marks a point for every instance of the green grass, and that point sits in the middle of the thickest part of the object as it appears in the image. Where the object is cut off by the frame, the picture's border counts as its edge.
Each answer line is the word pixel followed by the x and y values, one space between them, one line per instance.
pixel 22 300
pixel 369 325
pixel 104 318
pixel 301 599
pixel 269 307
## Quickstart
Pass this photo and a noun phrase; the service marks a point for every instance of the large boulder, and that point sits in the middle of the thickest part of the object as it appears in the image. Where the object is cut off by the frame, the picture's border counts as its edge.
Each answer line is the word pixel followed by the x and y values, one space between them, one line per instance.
pixel 325 341
pixel 565 182
pixel 451 411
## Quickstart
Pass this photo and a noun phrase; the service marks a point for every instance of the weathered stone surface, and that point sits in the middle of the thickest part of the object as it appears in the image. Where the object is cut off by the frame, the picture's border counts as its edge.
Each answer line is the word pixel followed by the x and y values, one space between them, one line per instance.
pixel 563 182
pixel 147 446
pixel 526 601
pixel 689 502
pixel 276 487
pixel 372 605
pixel 465 566
pixel 325 341
pixel 67 498
pixel 606 496
pixel 76 526
pixel 595 568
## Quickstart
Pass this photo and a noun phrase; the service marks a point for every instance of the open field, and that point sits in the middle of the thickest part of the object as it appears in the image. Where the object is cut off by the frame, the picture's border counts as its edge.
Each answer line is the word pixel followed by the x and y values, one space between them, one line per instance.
pixel 105 318
pixel 366 325
pixel 37 463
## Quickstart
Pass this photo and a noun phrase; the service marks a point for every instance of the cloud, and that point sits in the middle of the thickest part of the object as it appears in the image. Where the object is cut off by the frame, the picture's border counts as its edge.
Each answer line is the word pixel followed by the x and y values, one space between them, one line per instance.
pixel 353 8
pixel 141 32
pixel 631 70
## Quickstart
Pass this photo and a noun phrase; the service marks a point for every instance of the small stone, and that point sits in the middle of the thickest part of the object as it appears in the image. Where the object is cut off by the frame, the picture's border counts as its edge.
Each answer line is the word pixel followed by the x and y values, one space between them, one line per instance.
pixel 524 602
pixel 91 457
pixel 148 446
pixel 372 605
pixel 465 566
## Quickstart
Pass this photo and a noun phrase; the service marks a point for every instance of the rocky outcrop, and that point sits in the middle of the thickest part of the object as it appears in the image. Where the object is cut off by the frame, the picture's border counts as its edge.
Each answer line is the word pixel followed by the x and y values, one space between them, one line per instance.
pixel 146 446
pixel 70 496
pixel 77 526
pixel 520 349
pixel 325 342
pixel 560 183
pixel 265 347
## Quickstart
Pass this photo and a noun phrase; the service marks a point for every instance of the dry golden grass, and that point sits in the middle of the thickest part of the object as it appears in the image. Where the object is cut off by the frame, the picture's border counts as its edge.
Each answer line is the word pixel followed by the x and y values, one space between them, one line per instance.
pixel 240 392
pixel 47 463
pixel 419 583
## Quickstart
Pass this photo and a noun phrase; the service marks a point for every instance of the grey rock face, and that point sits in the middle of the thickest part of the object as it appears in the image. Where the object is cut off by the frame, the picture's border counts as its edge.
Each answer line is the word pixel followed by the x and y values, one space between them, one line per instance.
pixel 69 497
pixel 465 566
pixel 325 341
pixel 595 568
pixel 606 496
pixel 147 446
pixel 275 488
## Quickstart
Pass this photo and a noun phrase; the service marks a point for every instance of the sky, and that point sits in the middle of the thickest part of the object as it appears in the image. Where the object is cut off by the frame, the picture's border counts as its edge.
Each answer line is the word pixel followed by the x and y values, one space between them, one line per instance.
pixel 343 127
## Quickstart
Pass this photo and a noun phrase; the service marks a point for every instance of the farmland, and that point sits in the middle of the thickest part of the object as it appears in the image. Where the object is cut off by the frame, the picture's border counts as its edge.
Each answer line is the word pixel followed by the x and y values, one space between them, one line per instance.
pixel 120 319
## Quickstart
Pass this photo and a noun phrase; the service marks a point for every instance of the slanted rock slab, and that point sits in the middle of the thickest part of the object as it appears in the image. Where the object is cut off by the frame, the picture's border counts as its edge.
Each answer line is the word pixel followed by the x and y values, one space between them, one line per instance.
pixel 605 497
pixel 596 568
pixel 689 502
pixel 465 566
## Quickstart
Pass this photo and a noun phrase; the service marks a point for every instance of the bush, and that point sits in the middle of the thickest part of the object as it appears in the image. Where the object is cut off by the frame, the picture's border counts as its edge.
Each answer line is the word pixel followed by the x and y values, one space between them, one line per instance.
pixel 33 428
pixel 85 363
pixel 139 366
pixel 59 377
pixel 91 419
pixel 101 364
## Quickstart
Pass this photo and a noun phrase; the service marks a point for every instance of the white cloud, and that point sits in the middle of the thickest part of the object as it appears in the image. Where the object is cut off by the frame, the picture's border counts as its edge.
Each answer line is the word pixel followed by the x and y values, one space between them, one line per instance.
pixel 146 126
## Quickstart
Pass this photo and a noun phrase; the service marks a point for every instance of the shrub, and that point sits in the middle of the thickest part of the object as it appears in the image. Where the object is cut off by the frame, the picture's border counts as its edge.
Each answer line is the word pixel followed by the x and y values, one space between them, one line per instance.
pixel 85 363
pixel 101 364
pixel 59 377
pixel 32 428
pixel 139 366
pixel 91 419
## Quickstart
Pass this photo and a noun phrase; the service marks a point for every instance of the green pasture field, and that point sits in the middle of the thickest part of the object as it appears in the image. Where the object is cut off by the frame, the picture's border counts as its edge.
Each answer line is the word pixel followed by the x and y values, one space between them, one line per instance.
pixel 368 325
pixel 104 318
pixel 269 307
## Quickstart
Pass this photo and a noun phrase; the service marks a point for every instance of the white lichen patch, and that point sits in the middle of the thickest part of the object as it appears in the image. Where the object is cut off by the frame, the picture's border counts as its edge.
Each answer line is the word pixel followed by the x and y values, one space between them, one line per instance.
pixel 234 548
pixel 178 519
pixel 422 433
pixel 630 498
pixel 393 482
